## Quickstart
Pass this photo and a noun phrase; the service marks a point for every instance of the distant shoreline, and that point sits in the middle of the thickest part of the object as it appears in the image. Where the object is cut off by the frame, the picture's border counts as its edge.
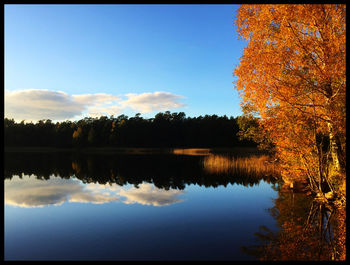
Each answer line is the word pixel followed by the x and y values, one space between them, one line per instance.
pixel 134 150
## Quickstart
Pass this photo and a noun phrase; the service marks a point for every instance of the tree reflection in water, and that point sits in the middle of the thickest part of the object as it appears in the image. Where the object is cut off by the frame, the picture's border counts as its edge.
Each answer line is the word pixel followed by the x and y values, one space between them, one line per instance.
pixel 309 230
pixel 164 171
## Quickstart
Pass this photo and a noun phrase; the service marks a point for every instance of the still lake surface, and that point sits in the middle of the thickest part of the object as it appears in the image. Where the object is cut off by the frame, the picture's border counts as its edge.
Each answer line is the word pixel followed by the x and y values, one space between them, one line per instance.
pixel 66 206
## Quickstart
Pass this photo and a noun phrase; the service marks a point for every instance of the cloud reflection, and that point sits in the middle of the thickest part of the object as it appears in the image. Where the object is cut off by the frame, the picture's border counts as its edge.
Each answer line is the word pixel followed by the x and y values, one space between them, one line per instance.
pixel 29 192
pixel 147 194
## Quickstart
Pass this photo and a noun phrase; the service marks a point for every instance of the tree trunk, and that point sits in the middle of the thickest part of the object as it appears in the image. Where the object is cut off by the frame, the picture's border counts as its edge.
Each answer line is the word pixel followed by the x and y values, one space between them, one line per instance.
pixel 340 152
pixel 333 148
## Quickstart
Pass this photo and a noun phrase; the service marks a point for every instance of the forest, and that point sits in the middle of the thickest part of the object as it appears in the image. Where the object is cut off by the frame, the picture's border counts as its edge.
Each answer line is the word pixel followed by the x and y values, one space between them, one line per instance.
pixel 164 130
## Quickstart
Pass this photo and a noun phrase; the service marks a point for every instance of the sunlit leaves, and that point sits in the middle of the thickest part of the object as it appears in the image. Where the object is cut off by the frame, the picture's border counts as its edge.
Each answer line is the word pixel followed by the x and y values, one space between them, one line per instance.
pixel 292 75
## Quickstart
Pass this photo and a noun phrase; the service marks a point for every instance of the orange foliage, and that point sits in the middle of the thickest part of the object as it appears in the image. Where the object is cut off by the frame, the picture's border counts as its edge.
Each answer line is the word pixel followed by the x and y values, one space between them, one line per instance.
pixel 292 74
pixel 77 133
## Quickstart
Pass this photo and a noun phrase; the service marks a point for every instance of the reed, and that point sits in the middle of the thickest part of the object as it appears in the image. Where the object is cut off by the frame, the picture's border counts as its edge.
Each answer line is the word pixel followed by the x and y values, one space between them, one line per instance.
pixel 191 151
pixel 253 165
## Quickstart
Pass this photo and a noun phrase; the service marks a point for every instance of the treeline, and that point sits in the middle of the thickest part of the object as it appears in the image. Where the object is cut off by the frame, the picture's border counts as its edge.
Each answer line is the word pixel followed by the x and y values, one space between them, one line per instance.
pixel 164 130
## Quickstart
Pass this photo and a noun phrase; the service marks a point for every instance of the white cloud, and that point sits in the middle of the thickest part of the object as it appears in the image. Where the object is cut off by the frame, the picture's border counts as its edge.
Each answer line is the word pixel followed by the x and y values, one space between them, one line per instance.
pixel 97 99
pixel 149 102
pixel 37 104
pixel 97 111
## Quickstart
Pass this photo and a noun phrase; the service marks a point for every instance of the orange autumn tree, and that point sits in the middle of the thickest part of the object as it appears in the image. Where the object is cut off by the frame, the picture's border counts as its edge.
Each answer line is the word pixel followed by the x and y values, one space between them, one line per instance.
pixel 292 75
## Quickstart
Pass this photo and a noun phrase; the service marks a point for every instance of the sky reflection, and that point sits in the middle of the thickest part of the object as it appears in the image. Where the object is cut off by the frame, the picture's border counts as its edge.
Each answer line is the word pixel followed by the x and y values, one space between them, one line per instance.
pixel 29 192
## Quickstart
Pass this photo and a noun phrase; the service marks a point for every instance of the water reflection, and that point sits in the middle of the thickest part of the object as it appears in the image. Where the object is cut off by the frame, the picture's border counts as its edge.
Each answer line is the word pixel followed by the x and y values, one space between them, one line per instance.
pixel 163 171
pixel 308 230
pixel 28 191
pixel 304 229
pixel 147 194
pixel 158 180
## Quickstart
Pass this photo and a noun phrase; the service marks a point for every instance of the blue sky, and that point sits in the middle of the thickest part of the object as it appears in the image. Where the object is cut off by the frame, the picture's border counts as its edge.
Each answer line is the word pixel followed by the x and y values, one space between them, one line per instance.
pixel 70 61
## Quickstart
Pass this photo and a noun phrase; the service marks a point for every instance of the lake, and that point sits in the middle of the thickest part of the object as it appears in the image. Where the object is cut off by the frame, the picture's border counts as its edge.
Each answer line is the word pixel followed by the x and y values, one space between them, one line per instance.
pixel 180 206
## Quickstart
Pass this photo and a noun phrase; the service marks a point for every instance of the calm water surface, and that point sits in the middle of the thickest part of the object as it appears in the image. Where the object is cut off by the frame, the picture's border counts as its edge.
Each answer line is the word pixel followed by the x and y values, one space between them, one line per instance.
pixel 134 207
